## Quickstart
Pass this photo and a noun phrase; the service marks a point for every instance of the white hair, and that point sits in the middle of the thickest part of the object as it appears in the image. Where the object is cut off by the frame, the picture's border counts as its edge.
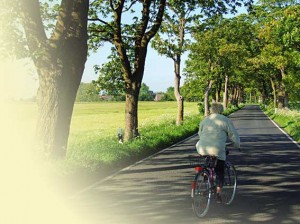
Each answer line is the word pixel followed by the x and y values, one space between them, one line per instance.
pixel 216 108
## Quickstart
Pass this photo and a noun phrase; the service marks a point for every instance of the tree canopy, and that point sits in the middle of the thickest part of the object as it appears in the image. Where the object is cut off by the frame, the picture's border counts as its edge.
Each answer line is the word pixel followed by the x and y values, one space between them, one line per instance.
pixel 257 51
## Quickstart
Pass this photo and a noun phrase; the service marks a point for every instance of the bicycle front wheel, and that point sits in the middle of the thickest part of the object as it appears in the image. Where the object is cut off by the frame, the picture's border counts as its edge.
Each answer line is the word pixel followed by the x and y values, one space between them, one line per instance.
pixel 230 184
pixel 202 194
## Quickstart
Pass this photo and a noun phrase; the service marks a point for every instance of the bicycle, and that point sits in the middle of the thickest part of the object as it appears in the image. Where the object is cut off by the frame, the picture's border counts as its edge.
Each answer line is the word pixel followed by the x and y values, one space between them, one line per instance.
pixel 204 183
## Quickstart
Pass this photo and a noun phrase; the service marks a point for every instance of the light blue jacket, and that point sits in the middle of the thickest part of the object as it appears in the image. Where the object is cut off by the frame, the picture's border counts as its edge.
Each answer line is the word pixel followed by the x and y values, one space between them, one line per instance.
pixel 213 133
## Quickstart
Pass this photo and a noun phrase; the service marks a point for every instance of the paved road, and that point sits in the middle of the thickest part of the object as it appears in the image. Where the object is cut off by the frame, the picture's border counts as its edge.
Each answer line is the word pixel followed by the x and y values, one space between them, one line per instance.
pixel 157 190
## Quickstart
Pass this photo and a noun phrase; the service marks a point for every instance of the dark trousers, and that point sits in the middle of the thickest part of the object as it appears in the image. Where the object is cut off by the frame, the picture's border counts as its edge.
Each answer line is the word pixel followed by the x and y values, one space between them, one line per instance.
pixel 219 169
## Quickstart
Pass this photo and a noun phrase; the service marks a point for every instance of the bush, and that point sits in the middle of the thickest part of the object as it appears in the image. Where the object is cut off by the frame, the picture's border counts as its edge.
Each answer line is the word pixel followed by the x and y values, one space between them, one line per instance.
pixel 295 106
pixel 201 108
pixel 230 109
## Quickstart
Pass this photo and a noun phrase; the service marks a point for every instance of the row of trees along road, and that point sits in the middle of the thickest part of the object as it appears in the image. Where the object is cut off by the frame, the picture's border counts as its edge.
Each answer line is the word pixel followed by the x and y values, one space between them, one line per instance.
pixel 89 92
pixel 255 51
pixel 58 46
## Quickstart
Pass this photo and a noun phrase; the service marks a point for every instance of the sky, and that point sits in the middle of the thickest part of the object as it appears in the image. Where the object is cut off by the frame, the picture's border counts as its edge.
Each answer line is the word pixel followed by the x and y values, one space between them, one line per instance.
pixel 158 74
pixel 22 81
pixel 159 70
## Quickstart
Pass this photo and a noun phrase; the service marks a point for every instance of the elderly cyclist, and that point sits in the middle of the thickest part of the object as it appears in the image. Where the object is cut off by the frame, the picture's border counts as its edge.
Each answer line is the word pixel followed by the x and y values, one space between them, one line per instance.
pixel 214 130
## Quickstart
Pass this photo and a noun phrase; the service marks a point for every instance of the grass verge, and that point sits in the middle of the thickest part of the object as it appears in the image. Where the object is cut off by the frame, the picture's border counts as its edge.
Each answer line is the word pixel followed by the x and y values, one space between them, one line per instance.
pixel 106 152
pixel 289 120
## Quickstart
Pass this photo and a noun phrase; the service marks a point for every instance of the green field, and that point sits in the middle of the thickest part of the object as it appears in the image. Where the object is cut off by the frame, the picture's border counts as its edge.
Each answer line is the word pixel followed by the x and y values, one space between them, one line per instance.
pixel 93 141
pixel 103 119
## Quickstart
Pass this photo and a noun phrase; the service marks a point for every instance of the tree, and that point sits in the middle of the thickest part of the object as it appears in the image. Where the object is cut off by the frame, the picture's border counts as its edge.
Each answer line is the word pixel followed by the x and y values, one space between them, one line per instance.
pixel 131 41
pixel 12 43
pixel 277 26
pixel 235 36
pixel 87 92
pixel 191 91
pixel 287 31
pixel 169 95
pixel 258 53
pixel 221 49
pixel 110 80
pixel 173 46
pixel 203 62
pixel 145 93
pixel 60 61
pixel 179 20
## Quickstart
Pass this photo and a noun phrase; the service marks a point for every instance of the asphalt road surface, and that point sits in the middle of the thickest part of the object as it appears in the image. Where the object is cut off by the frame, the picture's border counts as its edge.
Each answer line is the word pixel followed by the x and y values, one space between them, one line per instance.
pixel 157 190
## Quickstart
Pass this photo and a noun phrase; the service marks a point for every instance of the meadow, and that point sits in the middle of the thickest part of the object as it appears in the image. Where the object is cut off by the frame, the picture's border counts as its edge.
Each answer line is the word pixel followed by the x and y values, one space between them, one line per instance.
pixel 103 119
pixel 93 141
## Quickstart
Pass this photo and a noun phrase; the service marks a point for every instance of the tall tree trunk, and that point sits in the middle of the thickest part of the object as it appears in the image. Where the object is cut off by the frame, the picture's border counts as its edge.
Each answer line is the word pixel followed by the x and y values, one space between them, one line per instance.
pixel 206 97
pixel 231 95
pixel 177 61
pixel 60 63
pixel 133 70
pixel 179 98
pixel 264 91
pixel 225 98
pixel 285 100
pixel 55 99
pixel 131 112
pixel 274 92
pixel 241 95
pixel 238 96
pixel 218 91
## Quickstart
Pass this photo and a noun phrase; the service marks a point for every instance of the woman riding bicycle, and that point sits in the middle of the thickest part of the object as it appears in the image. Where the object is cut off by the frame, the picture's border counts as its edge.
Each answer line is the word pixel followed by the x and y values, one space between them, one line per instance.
pixel 214 130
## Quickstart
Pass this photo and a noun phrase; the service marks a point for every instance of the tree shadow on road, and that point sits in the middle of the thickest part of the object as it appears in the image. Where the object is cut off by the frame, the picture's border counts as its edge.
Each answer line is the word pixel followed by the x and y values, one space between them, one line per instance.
pixel 158 190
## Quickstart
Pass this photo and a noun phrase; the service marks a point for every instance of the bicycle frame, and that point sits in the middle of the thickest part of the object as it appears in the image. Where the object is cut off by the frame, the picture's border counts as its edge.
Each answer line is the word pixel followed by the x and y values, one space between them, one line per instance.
pixel 204 183
pixel 212 177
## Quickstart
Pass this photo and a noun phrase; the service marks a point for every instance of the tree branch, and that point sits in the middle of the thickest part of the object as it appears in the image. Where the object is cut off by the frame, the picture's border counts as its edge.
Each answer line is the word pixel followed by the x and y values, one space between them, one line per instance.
pixel 141 29
pixel 132 3
pixel 101 21
pixel 157 22
pixel 118 42
pixel 63 20
pixel 92 2
pixel 112 5
pixel 110 40
pixel 32 23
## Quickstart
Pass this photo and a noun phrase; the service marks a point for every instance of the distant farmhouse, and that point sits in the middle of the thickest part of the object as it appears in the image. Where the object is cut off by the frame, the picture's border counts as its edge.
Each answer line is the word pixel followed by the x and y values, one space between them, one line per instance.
pixel 106 97
pixel 158 96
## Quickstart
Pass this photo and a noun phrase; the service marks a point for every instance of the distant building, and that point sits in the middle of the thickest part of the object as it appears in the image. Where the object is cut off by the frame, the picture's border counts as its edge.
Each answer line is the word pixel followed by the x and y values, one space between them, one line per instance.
pixel 106 97
pixel 158 96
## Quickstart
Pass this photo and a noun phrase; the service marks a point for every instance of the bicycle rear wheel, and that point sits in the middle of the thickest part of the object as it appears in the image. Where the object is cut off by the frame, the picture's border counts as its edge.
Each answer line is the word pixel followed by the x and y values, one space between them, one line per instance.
pixel 202 194
pixel 230 184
